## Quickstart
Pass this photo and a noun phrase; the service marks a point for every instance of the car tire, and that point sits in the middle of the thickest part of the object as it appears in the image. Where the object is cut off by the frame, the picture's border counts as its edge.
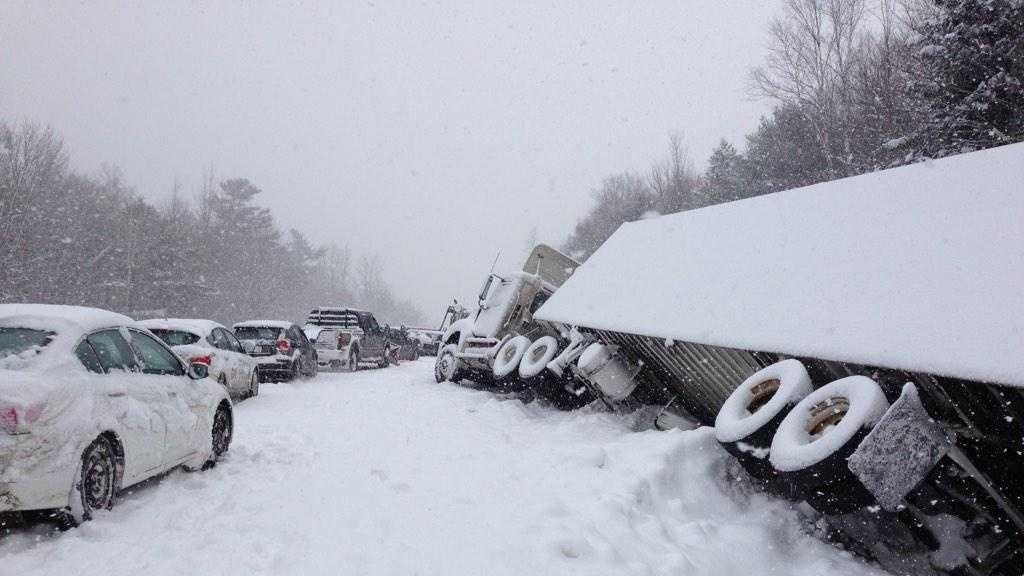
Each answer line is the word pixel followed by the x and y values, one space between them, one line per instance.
pixel 747 422
pixel 96 483
pixel 506 361
pixel 254 384
pixel 447 367
pixel 812 444
pixel 536 357
pixel 221 433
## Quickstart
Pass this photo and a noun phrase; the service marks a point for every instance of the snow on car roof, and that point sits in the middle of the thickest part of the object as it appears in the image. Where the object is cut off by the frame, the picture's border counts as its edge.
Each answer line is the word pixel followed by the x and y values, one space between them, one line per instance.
pixel 283 324
pixel 917 268
pixel 58 316
pixel 68 323
pixel 197 326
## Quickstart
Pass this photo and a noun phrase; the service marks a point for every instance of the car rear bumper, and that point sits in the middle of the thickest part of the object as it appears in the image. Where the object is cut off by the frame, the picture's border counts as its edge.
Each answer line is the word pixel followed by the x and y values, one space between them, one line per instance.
pixel 275 369
pixel 32 485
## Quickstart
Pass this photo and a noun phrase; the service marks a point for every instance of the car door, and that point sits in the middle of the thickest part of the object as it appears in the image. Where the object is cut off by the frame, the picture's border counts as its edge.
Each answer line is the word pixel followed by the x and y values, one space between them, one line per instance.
pixel 304 347
pixel 160 368
pixel 224 360
pixel 138 405
pixel 243 363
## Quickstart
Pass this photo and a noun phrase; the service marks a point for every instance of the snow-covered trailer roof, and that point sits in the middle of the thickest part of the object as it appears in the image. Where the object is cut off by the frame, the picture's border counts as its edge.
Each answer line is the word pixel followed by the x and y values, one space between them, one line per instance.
pixel 919 268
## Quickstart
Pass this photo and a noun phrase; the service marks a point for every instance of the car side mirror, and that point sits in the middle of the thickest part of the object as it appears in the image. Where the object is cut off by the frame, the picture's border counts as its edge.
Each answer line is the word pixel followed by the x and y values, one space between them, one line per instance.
pixel 198 371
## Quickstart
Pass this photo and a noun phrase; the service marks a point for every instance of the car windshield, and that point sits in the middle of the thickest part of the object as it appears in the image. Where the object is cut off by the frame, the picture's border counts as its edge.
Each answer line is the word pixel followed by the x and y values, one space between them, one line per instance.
pixel 21 343
pixel 175 337
pixel 257 333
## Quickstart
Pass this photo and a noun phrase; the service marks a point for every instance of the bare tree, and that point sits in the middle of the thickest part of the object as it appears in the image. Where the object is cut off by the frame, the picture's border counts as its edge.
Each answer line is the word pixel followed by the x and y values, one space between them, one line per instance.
pixel 812 53
pixel 674 181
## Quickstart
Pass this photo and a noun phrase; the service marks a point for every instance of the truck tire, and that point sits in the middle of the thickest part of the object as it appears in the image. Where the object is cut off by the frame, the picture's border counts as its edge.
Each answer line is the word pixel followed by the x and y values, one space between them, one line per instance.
pixel 447 367
pixel 536 357
pixel 747 422
pixel 814 441
pixel 506 361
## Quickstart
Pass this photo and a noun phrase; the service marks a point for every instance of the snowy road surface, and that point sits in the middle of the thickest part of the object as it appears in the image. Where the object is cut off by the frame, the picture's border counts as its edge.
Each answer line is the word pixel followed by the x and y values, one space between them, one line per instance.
pixel 386 472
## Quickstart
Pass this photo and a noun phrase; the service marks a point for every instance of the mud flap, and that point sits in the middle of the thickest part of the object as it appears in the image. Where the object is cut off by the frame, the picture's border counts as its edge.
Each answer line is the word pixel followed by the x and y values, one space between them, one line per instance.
pixel 900 451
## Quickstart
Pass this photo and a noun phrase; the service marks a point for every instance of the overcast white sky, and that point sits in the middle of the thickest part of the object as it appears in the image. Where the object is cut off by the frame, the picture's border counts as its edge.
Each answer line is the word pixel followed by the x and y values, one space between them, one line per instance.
pixel 433 133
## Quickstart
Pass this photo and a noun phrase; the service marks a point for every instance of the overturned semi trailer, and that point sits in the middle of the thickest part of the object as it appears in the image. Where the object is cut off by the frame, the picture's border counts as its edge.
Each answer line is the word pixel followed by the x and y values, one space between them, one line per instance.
pixel 860 344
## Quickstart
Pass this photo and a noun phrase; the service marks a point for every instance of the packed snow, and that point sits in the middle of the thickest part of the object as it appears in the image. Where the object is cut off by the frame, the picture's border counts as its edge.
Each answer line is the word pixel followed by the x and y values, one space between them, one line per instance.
pixel 386 472
pixel 916 268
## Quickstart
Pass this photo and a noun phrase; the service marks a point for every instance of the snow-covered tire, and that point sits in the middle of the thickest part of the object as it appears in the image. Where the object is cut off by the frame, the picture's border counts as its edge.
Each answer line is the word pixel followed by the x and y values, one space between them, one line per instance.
pixel 507 359
pixel 447 367
pixel 812 444
pixel 95 485
pixel 221 433
pixel 537 356
pixel 747 422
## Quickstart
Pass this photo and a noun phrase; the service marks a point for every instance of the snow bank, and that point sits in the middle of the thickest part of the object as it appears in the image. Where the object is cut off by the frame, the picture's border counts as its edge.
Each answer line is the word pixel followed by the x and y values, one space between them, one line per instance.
pixel 917 268
pixel 385 472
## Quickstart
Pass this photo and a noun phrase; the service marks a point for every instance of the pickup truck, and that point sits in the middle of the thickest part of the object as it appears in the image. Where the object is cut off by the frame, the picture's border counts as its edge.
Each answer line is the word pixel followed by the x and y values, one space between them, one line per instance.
pixel 347 338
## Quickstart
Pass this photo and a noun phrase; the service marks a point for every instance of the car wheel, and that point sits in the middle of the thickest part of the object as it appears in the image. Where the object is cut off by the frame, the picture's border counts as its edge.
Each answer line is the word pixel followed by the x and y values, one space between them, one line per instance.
pixel 447 366
pixel 221 433
pixel 506 361
pixel 353 360
pixel 95 485
pixel 746 423
pixel 254 384
pixel 811 447
pixel 310 371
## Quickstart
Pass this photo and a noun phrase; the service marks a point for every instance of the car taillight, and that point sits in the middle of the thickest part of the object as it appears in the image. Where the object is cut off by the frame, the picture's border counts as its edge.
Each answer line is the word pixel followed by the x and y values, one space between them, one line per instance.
pixel 14 420
pixel 343 339
pixel 208 359
pixel 284 346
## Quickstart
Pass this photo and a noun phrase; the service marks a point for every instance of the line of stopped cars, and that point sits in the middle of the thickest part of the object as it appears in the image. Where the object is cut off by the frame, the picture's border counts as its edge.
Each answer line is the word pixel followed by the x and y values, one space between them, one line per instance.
pixel 857 345
pixel 92 402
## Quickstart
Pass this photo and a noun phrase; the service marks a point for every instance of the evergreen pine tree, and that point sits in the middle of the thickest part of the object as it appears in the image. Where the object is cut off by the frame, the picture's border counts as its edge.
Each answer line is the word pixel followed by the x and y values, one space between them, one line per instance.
pixel 973 53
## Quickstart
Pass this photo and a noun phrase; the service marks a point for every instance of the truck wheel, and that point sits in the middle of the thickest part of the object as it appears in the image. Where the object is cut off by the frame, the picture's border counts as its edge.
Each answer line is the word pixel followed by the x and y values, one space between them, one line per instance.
pixel 537 356
pixel 747 422
pixel 507 359
pixel 447 368
pixel 815 439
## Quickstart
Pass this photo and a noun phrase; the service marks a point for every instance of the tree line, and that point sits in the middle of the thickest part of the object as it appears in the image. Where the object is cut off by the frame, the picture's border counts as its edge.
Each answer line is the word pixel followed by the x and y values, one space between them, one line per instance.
pixel 92 240
pixel 855 86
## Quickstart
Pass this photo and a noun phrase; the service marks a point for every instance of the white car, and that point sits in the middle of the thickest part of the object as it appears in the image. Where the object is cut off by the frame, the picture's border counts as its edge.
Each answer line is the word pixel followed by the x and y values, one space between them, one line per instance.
pixel 90 403
pixel 210 343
